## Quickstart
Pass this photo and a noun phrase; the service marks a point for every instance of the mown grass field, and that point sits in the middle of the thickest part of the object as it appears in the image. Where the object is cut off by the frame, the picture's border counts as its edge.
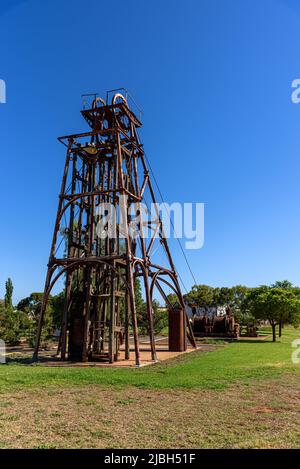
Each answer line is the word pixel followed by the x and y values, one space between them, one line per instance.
pixel 242 395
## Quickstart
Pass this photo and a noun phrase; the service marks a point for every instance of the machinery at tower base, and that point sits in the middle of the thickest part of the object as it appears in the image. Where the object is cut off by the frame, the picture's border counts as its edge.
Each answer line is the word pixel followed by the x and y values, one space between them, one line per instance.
pixel 106 172
pixel 215 326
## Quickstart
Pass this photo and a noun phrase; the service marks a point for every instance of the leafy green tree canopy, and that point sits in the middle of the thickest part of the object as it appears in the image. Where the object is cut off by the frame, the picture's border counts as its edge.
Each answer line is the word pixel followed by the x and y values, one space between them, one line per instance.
pixel 8 294
pixel 277 305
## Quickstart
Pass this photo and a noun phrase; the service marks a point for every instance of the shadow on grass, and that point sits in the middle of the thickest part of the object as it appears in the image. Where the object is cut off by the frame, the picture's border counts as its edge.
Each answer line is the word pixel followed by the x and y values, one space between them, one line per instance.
pixel 29 361
pixel 257 341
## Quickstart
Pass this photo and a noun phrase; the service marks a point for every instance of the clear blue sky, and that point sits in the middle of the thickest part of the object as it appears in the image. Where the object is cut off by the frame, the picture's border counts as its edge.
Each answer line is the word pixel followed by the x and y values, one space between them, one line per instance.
pixel 214 80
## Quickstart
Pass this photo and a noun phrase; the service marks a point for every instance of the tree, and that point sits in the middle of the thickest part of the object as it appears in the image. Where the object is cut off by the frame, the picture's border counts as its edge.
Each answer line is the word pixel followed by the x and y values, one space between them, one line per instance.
pixel 57 303
pixel 13 326
pixel 31 306
pixel 160 318
pixel 173 299
pixel 160 315
pixel 13 323
pixel 201 295
pixel 224 296
pixel 8 294
pixel 288 307
pixel 277 305
pixel 141 309
pixel 139 302
pixel 242 316
pixel 284 284
pixel 239 293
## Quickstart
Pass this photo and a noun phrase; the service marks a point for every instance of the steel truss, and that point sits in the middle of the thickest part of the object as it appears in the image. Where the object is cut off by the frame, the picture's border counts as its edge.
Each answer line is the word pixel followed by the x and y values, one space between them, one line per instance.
pixel 105 165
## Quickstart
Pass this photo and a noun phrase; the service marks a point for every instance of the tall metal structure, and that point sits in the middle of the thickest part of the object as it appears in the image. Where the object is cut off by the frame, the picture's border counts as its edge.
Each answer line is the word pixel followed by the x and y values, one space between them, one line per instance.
pixel 106 167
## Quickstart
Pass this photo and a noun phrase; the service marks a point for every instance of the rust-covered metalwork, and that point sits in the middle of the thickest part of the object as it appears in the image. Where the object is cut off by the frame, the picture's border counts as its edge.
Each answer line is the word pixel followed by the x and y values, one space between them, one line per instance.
pixel 216 326
pixel 107 165
pixel 177 337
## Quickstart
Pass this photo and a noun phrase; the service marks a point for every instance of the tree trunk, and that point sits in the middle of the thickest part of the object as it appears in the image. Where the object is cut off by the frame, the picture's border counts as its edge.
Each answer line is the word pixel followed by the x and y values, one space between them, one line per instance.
pixel 280 329
pixel 274 332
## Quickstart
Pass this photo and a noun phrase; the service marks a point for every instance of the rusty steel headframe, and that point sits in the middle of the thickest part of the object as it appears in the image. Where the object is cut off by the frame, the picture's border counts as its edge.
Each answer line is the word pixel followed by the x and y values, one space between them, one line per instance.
pixel 102 165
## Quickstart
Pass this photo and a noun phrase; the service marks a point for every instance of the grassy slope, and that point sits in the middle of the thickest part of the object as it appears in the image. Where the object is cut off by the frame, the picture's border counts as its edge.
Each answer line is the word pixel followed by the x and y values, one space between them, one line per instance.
pixel 214 370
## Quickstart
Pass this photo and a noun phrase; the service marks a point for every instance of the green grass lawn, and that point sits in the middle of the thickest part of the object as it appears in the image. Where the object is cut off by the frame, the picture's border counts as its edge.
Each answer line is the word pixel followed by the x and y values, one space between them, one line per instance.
pixel 241 395
pixel 236 361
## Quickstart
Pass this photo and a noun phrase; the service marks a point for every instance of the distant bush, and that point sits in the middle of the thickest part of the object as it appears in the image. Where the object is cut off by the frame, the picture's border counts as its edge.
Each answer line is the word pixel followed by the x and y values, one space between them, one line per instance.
pixel 160 319
pixel 13 326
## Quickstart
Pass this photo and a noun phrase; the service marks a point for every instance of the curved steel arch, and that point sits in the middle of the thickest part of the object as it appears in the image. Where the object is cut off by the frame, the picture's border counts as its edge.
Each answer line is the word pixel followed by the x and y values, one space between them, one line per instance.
pixel 81 261
pixel 158 277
